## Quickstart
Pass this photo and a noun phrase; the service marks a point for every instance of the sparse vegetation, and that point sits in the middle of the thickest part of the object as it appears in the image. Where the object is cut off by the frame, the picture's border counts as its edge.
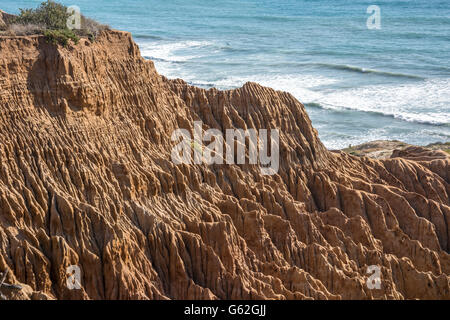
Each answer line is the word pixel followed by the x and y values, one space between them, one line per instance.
pixel 50 19
pixel 61 36
pixel 24 29
pixel 50 14
pixel 91 28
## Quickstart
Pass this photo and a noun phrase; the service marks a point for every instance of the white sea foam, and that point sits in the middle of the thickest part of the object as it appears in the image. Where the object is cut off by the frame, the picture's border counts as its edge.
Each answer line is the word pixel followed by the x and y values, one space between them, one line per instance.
pixel 301 86
pixel 422 102
pixel 280 82
pixel 170 51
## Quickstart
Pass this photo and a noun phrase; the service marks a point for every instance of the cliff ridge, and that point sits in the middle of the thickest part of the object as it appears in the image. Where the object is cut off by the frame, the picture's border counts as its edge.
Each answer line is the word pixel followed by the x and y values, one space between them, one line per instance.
pixel 86 179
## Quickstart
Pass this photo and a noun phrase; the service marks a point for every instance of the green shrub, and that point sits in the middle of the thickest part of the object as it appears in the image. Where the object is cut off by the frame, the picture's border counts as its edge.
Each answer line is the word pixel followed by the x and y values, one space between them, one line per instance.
pixel 61 36
pixel 51 14
pixel 50 19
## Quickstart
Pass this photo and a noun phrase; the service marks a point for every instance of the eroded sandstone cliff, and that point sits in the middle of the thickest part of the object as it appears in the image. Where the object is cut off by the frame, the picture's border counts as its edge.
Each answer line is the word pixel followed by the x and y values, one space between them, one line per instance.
pixel 86 179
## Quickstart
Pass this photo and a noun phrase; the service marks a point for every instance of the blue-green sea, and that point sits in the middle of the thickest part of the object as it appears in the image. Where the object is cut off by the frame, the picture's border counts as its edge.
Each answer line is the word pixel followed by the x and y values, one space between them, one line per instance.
pixel 358 84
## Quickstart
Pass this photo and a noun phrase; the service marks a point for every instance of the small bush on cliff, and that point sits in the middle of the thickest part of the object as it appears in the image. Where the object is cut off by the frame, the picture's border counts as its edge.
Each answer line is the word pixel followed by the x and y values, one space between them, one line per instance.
pixel 91 28
pixel 61 36
pixel 50 19
pixel 50 14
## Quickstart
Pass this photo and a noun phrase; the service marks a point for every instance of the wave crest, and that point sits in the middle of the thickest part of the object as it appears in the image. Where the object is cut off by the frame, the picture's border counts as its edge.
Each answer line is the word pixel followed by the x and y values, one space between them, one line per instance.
pixel 350 68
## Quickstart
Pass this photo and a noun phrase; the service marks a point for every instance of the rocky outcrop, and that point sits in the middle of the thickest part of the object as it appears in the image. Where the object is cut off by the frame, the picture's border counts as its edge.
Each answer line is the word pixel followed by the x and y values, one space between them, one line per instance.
pixel 5 19
pixel 86 179
pixel 384 149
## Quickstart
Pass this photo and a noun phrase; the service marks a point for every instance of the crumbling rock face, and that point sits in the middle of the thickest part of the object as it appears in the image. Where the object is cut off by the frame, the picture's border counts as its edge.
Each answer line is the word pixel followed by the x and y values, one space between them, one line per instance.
pixel 86 179
pixel 5 19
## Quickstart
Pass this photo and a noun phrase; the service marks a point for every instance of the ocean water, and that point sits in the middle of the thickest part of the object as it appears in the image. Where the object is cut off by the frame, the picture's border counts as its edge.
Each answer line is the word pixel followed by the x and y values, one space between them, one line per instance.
pixel 358 84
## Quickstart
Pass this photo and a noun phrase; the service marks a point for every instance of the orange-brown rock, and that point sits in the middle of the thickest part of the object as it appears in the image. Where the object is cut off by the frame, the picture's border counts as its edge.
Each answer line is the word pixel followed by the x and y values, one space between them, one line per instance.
pixel 5 19
pixel 86 179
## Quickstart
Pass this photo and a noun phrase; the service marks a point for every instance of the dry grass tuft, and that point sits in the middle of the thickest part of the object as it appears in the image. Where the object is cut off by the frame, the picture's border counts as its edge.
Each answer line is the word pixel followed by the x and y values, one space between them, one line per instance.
pixel 18 29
